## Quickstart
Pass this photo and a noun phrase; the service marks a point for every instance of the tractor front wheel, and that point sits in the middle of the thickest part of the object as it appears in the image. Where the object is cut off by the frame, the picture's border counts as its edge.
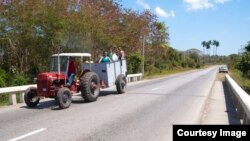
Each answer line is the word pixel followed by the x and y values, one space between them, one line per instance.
pixel 90 86
pixel 30 97
pixel 64 98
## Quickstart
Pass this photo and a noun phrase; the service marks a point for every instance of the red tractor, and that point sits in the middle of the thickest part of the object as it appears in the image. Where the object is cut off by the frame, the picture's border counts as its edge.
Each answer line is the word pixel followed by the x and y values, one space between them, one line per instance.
pixel 92 77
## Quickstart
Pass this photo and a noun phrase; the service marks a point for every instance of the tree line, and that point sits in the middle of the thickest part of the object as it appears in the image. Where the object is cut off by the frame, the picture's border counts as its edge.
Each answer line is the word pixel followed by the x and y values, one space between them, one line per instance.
pixel 241 61
pixel 240 66
pixel 207 46
pixel 244 61
pixel 32 30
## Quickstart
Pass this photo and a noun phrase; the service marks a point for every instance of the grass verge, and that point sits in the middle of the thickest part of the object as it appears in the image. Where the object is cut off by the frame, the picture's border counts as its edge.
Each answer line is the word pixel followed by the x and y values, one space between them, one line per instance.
pixel 4 99
pixel 165 72
pixel 243 82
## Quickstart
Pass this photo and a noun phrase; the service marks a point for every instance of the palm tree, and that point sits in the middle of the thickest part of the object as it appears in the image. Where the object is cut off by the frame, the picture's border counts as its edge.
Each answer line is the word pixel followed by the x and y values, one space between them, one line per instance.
pixel 208 46
pixel 204 43
pixel 216 44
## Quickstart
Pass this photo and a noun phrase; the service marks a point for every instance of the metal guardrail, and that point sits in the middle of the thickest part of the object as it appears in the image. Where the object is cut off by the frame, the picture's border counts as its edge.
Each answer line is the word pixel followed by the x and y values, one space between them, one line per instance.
pixel 241 100
pixel 13 91
pixel 134 77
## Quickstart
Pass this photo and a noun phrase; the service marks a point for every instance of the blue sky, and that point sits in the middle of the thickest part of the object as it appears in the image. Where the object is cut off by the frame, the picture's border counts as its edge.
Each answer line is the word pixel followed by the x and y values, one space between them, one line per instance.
pixel 192 21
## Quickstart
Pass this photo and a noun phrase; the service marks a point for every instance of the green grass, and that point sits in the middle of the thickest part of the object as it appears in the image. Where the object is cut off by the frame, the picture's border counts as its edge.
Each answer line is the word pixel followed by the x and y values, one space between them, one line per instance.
pixel 165 72
pixel 3 99
pixel 173 71
pixel 242 81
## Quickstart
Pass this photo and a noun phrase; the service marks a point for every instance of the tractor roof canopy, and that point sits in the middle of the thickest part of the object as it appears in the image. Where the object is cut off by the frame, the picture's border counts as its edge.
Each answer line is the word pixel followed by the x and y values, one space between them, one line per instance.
pixel 63 59
pixel 73 54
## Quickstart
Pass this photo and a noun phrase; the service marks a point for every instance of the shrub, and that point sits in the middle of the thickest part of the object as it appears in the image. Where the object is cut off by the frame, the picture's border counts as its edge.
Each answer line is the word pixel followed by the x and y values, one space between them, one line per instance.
pixel 134 62
pixel 3 77
pixel 244 65
pixel 20 80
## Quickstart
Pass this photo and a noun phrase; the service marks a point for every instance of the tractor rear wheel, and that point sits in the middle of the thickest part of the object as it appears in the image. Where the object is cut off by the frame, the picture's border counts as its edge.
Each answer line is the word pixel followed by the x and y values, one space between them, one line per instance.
pixel 30 97
pixel 90 86
pixel 64 98
pixel 121 84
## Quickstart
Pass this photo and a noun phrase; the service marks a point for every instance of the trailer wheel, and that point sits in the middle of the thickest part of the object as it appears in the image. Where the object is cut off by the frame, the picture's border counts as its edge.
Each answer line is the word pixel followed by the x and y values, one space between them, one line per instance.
pixel 121 83
pixel 64 98
pixel 30 97
pixel 90 87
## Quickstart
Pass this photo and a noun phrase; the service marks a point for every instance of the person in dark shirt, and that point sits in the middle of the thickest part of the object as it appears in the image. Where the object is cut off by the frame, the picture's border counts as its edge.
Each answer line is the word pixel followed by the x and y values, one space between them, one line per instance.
pixel 71 71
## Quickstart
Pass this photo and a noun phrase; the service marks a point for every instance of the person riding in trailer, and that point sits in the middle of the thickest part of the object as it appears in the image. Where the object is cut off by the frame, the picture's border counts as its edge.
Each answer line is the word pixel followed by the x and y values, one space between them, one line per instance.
pixel 104 58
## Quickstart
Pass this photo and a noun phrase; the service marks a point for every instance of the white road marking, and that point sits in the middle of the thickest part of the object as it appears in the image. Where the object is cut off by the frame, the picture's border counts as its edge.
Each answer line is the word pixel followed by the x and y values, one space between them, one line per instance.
pixel 28 134
pixel 157 88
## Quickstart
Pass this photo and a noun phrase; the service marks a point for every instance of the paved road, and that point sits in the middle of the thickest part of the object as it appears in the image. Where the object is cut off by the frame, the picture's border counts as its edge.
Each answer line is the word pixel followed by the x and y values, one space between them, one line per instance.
pixel 145 113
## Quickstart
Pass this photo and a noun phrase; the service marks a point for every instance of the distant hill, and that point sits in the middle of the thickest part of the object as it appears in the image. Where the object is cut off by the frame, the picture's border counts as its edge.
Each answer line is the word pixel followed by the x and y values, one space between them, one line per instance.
pixel 194 50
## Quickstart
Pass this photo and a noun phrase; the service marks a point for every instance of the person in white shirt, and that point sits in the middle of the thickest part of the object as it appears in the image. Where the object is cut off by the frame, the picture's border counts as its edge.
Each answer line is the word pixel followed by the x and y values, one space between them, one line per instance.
pixel 114 56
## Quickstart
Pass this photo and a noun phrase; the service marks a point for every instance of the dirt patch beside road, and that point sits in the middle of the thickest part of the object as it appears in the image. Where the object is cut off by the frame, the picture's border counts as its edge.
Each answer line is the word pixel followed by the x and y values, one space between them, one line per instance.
pixel 220 77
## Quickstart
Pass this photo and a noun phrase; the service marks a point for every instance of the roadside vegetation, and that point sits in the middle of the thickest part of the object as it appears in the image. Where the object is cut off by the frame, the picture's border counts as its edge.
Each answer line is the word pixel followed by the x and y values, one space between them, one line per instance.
pixel 165 73
pixel 242 81
pixel 32 30
pixel 240 67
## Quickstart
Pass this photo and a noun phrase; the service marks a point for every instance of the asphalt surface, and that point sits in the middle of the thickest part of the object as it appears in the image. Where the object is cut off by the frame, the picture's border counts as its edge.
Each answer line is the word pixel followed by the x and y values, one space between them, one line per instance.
pixel 146 112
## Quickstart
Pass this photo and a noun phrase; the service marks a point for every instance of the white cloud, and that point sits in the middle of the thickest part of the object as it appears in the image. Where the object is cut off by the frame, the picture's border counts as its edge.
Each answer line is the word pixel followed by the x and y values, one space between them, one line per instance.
pixel 221 1
pixel 193 5
pixel 143 4
pixel 162 13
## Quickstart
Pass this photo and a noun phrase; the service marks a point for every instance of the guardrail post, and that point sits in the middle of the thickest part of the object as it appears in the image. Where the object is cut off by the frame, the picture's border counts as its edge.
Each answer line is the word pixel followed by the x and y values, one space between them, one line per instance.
pixel 21 97
pixel 128 79
pixel 12 99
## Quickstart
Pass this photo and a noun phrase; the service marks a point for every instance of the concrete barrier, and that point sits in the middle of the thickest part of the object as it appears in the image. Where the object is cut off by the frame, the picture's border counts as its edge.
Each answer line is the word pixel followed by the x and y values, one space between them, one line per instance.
pixel 241 100
pixel 13 91
pixel 134 77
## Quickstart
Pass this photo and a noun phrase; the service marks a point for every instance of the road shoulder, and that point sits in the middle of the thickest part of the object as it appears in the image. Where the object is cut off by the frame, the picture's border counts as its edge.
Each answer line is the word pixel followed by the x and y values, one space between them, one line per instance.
pixel 219 108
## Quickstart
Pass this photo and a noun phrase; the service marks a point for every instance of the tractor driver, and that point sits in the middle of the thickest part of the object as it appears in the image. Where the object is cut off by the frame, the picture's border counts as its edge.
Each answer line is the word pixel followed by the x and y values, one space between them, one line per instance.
pixel 71 71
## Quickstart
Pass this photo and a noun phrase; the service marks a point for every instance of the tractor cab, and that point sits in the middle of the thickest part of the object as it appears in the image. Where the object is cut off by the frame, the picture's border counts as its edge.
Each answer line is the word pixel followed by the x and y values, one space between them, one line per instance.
pixel 59 63
pixel 60 66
